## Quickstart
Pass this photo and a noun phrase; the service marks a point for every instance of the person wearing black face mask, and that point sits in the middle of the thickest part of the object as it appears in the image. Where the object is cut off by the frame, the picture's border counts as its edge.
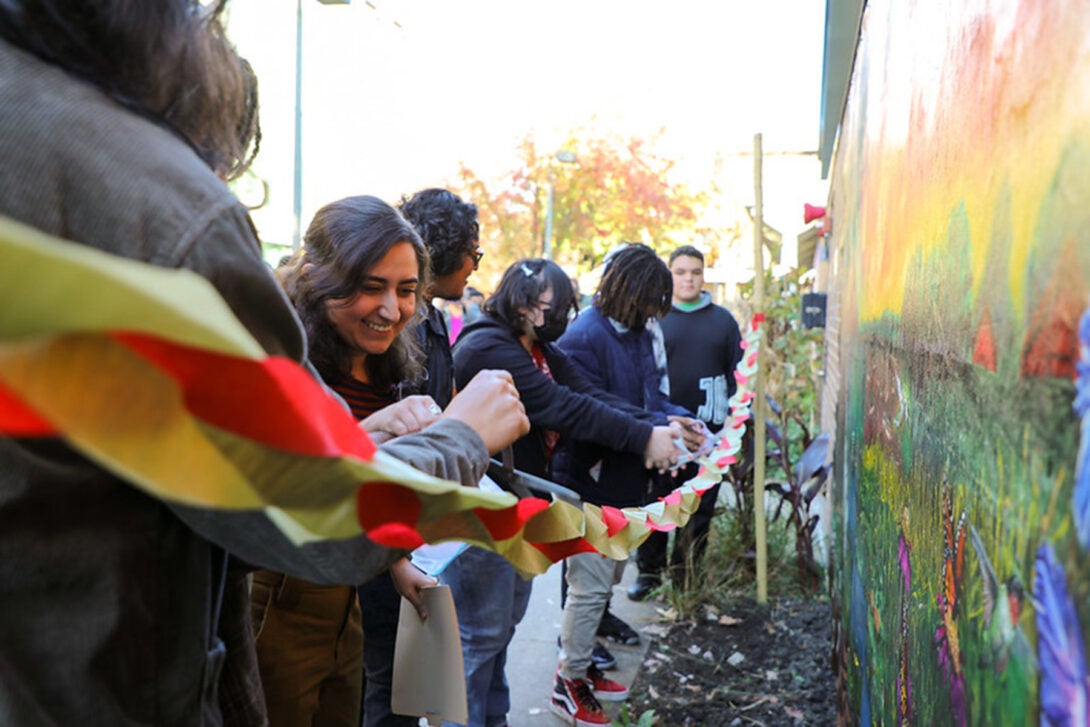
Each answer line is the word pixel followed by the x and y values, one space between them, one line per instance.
pixel 529 310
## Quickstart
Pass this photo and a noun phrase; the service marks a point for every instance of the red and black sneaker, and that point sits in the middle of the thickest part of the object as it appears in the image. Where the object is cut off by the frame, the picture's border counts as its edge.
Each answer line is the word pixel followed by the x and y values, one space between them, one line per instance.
pixel 605 688
pixel 574 702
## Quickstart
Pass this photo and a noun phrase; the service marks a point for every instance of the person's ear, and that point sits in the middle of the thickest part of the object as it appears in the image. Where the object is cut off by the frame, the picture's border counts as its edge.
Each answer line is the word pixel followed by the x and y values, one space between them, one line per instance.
pixel 307 267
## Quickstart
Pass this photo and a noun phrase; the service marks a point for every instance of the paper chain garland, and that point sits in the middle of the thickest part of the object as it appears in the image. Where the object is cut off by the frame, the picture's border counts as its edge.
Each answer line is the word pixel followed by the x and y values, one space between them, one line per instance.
pixel 151 369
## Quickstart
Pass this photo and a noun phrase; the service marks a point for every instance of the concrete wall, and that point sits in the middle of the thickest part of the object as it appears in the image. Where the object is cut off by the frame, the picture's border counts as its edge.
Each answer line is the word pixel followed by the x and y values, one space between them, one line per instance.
pixel 960 206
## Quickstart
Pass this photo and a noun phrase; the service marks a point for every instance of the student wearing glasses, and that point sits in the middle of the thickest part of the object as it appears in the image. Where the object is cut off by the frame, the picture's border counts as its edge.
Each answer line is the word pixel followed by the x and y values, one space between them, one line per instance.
pixel 450 231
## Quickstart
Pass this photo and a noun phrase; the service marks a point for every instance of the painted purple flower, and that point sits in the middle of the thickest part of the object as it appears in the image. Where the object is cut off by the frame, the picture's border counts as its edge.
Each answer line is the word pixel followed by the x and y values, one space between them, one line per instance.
pixel 946 639
pixel 1065 691
pixel 1081 498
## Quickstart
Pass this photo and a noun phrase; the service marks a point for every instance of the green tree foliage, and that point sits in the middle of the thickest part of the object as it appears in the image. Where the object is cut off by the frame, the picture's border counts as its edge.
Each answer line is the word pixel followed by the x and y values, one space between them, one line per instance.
pixel 616 190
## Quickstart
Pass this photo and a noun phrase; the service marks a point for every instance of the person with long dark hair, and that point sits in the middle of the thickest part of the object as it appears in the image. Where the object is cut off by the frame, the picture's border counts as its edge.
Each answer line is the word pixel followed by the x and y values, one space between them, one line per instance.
pixel 119 123
pixel 356 285
pixel 703 347
pixel 448 228
pixel 522 319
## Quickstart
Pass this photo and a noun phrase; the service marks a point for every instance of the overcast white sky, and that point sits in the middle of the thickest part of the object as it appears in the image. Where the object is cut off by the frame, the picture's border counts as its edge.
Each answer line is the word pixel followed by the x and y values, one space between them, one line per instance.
pixel 397 92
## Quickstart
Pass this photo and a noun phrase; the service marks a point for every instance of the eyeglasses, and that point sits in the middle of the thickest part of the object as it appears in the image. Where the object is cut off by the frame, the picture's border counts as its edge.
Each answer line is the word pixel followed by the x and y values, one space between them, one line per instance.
pixel 476 253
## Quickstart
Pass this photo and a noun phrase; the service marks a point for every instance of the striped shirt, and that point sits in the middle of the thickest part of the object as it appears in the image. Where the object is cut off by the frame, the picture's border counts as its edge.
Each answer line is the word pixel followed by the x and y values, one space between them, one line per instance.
pixel 363 399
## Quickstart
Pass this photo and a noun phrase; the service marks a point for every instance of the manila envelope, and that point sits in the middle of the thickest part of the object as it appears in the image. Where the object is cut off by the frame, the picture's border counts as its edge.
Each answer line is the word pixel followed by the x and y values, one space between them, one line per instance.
pixel 429 676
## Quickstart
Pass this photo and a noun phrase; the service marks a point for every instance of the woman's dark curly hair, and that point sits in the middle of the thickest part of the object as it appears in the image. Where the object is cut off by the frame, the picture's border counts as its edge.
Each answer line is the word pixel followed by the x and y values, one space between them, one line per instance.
pixel 447 224
pixel 167 60
pixel 636 285
pixel 344 241
pixel 522 286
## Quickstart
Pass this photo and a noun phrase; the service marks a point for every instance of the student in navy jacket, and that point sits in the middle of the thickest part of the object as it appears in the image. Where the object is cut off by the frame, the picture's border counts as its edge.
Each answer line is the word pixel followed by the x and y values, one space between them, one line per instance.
pixel 611 345
pixel 703 347
pixel 528 311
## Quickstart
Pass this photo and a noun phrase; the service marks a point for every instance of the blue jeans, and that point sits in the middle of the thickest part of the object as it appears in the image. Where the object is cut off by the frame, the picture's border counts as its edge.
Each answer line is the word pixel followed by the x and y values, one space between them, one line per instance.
pixel 490 598
pixel 380 606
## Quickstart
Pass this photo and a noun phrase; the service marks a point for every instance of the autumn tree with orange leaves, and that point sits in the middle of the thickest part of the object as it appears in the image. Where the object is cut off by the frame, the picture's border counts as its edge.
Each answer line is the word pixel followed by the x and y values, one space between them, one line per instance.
pixel 616 191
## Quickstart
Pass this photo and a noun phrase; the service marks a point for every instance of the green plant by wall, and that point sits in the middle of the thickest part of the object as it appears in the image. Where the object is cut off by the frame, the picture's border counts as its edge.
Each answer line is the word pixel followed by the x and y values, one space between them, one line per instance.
pixel 793 361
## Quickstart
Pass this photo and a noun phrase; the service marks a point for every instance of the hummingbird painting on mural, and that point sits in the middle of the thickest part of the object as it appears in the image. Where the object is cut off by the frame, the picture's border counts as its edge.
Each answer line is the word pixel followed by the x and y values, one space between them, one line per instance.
pixel 1003 602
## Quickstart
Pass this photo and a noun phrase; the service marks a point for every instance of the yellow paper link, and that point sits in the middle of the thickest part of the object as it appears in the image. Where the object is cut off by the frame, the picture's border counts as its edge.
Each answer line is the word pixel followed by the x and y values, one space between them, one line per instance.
pixel 675 509
pixel 133 421
pixel 41 272
pixel 129 416
pixel 126 415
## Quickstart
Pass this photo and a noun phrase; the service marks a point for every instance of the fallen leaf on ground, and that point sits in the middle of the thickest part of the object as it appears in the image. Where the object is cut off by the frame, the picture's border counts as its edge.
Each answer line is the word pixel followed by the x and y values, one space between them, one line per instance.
pixel 727 620
pixel 656 630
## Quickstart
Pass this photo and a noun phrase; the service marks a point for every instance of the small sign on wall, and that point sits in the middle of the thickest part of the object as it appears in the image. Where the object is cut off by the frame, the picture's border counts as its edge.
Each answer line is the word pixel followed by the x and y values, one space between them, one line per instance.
pixel 813 310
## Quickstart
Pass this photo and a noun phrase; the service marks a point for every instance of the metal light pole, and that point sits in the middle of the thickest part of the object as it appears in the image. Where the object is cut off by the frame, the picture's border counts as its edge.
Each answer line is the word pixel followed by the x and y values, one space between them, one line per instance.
pixel 297 171
pixel 565 157
pixel 759 525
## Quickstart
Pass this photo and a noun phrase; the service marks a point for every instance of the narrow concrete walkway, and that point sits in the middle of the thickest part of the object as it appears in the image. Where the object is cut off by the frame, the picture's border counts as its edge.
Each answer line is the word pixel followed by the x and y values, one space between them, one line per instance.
pixel 532 656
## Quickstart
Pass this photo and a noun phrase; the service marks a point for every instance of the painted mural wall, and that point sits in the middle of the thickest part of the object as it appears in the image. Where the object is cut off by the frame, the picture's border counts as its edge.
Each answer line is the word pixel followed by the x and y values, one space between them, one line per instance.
pixel 960 207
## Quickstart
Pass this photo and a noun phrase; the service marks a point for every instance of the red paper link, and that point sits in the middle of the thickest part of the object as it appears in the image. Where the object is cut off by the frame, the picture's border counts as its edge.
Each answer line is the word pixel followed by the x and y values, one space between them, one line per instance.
pixel 758 319
pixel 557 552
pixel 396 535
pixel 274 402
pixel 614 519
pixel 19 420
pixel 380 505
pixel 508 522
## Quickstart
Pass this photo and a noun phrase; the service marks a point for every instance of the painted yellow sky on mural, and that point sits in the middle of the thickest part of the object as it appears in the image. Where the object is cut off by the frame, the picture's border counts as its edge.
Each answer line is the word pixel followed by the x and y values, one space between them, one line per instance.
pixel 1012 96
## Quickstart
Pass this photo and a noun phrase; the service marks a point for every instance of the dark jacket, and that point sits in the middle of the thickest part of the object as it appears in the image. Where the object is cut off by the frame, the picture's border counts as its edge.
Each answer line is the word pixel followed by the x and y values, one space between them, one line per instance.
pixel 567 404
pixel 434 341
pixel 109 598
pixel 622 364
pixel 703 347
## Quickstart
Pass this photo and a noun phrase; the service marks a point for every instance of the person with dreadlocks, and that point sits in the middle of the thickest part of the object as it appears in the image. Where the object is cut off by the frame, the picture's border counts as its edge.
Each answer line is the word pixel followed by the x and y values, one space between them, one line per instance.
pixel 611 345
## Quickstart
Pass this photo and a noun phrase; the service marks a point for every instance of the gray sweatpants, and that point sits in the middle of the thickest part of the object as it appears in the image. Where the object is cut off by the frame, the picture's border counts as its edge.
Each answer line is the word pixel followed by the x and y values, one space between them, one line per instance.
pixel 591 577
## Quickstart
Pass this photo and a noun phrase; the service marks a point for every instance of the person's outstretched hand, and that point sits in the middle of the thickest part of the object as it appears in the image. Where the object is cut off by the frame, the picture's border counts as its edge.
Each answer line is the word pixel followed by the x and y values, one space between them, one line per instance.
pixel 691 431
pixel 409 415
pixel 662 449
pixel 490 405
pixel 409 581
